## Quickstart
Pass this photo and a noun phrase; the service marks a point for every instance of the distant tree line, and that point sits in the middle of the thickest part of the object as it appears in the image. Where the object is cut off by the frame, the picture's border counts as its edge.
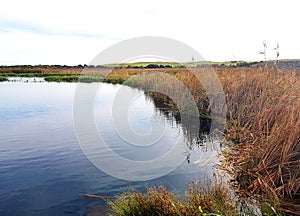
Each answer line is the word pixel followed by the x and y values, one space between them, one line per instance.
pixel 151 66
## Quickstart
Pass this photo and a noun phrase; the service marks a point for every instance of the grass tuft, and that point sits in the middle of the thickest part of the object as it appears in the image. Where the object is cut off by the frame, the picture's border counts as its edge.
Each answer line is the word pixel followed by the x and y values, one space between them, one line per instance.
pixel 211 200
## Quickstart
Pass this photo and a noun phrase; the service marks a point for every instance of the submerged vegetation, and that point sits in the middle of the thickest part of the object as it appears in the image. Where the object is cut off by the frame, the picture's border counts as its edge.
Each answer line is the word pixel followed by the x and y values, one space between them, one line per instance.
pixel 263 122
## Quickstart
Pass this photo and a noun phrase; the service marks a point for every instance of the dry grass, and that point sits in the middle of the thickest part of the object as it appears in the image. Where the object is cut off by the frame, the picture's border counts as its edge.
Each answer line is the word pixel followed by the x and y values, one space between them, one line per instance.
pixel 264 107
pixel 263 118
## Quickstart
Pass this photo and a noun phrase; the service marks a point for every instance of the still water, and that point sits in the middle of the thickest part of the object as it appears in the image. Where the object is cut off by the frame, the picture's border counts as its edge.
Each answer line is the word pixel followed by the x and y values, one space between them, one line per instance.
pixel 43 170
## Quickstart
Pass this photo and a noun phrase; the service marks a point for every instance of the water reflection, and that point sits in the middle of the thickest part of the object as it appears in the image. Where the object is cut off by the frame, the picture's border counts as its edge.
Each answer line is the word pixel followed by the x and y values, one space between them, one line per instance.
pixel 199 133
pixel 42 168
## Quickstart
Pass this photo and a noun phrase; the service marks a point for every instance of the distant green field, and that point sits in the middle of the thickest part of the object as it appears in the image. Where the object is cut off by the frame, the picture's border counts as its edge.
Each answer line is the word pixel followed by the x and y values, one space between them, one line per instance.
pixel 178 64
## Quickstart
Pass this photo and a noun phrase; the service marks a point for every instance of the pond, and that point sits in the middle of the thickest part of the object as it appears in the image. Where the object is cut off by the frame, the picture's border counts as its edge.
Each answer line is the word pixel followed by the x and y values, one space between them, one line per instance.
pixel 44 170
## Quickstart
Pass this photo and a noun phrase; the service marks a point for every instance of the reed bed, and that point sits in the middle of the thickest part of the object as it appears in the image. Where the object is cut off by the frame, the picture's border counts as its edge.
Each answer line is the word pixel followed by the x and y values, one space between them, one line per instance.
pixel 262 120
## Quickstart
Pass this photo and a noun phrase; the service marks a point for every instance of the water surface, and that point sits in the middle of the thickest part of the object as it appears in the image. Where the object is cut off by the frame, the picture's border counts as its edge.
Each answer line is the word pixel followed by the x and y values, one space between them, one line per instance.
pixel 43 170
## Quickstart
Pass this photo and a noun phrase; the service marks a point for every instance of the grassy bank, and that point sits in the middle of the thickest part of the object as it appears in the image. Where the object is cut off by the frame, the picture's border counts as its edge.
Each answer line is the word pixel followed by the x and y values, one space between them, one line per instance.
pixel 198 200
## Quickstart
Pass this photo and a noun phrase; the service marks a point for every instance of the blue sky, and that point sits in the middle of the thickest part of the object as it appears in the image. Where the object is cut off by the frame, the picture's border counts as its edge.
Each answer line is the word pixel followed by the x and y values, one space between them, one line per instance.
pixel 74 32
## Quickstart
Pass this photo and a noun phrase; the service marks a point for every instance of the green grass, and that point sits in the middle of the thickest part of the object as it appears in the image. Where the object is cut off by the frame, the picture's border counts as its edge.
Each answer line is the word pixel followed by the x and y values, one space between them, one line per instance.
pixel 62 78
pixel 178 65
pixel 2 79
pixel 199 200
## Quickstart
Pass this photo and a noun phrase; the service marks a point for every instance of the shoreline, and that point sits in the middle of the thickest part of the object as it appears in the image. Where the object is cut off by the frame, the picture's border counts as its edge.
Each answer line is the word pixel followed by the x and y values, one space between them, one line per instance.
pixel 262 127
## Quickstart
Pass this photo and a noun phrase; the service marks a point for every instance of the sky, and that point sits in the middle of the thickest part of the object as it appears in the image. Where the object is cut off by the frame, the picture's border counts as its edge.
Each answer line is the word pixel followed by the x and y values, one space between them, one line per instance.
pixel 71 32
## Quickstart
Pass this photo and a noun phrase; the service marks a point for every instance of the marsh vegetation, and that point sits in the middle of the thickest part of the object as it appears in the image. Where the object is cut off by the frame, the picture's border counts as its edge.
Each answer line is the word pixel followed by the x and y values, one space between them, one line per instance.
pixel 263 123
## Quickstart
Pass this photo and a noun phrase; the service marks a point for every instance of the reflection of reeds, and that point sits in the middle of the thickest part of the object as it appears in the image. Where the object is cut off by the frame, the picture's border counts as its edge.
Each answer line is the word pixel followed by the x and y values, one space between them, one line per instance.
pixel 196 130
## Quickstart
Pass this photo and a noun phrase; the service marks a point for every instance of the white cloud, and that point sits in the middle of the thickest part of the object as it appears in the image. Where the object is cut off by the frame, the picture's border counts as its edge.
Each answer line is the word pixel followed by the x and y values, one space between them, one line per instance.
pixel 73 32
